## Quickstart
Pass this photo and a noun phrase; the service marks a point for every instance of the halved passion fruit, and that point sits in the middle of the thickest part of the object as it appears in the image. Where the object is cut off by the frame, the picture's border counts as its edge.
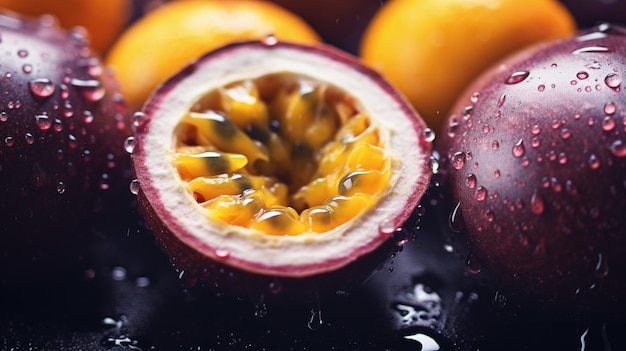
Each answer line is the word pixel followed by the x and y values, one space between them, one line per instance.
pixel 275 169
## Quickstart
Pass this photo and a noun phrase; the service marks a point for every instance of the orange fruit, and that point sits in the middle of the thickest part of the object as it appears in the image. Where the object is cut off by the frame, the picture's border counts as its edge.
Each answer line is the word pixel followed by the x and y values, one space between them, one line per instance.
pixel 169 37
pixel 103 19
pixel 432 49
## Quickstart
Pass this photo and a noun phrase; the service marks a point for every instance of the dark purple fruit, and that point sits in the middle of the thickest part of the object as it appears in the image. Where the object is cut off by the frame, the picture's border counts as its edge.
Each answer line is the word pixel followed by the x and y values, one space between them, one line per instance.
pixel 535 161
pixel 62 157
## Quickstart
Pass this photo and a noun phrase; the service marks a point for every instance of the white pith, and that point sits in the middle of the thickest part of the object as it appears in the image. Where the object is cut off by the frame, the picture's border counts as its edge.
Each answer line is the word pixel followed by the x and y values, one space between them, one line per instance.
pixel 300 255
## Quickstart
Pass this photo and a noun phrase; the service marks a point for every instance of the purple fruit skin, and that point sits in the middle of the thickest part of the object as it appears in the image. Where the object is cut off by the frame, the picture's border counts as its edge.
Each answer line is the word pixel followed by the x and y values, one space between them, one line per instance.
pixel 62 157
pixel 546 219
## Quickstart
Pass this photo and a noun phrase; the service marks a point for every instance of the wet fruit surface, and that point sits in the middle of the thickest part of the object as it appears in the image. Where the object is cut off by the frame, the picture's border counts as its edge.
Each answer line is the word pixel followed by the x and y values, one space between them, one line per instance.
pixel 431 50
pixel 62 128
pixel 536 165
pixel 282 169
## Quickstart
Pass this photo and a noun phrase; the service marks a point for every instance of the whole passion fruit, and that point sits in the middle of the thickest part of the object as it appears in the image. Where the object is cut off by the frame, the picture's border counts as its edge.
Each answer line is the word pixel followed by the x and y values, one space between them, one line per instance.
pixel 62 157
pixel 535 162
pixel 279 170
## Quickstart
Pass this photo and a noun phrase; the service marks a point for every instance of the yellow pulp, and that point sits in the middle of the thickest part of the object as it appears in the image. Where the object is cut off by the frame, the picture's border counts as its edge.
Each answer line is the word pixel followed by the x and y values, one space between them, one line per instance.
pixel 281 154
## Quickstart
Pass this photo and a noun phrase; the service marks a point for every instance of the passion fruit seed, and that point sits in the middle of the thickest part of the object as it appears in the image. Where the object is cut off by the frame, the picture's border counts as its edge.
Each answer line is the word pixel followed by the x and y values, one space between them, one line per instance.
pixel 282 154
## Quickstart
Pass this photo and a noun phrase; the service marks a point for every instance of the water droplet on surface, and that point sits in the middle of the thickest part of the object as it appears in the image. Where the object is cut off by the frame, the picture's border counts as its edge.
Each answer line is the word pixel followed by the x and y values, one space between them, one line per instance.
pixel 90 89
pixel 386 227
pixel 472 265
pixel 591 49
pixel 475 96
pixel 518 149
pixel 470 181
pixel 608 124
pixel 129 144
pixel 594 162
pixel 428 135
pixel 41 87
pixel 517 77
pixel 481 193
pixel 222 253
pixel 618 148
pixel 501 100
pixel 458 160
pixel 610 108
pixel 27 68
pixel 613 81
pixel 565 133
pixel 315 321
pixel 88 117
pixel 427 342
pixel 9 141
pixel 541 87
pixel 134 186
pixel 495 145
pixel 536 203
pixel 270 40
pixel 582 75
pixel 30 139
pixel 139 120
pixel 61 188
pixel 43 122
pixel 118 273
pixel 22 53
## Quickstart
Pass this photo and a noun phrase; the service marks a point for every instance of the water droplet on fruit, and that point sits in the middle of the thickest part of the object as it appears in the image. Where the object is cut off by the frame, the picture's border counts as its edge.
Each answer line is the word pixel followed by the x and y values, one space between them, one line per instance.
pixel 27 68
pixel 536 203
pixel 541 87
pixel 139 120
pixel 458 160
pixel 41 87
pixel 22 53
pixel 582 75
pixel 517 77
pixel 129 144
pixel 518 149
pixel 222 253
pixel 594 162
pixel 610 108
pixel 43 122
pixel 134 186
pixel 501 100
pixel 386 227
pixel 428 135
pixel 475 96
pixel 618 148
pixel 91 89
pixel 9 141
pixel 88 117
pixel 591 49
pixel 30 139
pixel 470 181
pixel 481 193
pixel 613 81
pixel 270 40
pixel 565 133
pixel 608 124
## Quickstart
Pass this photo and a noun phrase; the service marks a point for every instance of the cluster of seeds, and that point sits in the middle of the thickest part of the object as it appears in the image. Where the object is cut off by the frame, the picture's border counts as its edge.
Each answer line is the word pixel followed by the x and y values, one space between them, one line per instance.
pixel 282 154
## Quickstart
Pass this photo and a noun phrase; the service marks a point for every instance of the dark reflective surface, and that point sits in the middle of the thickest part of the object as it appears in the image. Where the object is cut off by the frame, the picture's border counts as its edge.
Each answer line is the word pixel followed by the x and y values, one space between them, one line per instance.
pixel 127 296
